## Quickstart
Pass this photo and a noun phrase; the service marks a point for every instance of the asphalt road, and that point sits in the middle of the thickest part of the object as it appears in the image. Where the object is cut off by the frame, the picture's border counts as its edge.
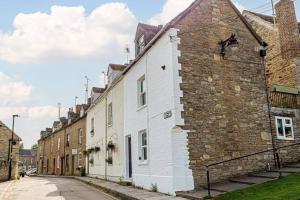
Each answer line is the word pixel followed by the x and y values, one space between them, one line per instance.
pixel 36 188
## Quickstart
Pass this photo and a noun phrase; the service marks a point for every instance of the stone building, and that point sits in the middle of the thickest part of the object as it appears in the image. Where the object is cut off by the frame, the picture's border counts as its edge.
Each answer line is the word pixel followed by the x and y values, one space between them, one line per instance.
pixel 5 142
pixel 61 149
pixel 193 97
pixel 28 158
pixel 283 68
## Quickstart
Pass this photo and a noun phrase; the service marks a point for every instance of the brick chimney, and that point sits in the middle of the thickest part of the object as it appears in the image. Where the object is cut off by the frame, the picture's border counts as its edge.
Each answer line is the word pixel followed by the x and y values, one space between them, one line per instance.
pixel 288 28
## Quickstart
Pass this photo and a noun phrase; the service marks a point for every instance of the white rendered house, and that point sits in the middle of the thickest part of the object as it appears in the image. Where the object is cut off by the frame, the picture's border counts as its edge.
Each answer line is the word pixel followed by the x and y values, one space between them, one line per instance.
pixel 105 149
pixel 155 145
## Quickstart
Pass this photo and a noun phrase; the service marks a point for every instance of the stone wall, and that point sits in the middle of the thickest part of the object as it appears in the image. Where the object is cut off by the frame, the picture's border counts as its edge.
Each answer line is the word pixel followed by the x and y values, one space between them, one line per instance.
pixel 53 159
pixel 280 70
pixel 5 136
pixel 288 154
pixel 225 104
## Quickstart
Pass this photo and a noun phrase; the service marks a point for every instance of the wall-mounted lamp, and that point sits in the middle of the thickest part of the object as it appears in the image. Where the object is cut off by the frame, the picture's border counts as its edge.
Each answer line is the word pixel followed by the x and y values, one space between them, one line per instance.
pixel 231 41
pixel 163 67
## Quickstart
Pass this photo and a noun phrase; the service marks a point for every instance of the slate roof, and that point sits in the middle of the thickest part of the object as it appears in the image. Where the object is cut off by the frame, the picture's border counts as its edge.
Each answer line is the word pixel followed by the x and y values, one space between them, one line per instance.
pixel 117 67
pixel 267 18
pixel 181 16
pixel 98 90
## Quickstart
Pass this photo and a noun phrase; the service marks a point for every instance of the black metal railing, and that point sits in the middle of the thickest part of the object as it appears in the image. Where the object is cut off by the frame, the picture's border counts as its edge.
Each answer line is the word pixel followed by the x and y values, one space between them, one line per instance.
pixel 277 162
pixel 284 100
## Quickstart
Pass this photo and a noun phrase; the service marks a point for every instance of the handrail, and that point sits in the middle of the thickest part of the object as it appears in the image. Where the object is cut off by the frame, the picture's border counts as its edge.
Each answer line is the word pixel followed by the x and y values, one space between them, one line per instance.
pixel 252 154
pixel 276 158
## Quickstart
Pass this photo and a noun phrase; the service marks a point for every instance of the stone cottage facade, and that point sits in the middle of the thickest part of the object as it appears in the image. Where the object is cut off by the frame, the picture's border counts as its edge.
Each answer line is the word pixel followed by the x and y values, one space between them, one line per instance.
pixel 28 158
pixel 5 142
pixel 61 149
pixel 283 67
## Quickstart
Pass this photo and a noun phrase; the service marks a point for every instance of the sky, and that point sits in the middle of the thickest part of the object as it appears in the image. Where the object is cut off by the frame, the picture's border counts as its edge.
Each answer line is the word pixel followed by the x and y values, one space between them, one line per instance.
pixel 48 47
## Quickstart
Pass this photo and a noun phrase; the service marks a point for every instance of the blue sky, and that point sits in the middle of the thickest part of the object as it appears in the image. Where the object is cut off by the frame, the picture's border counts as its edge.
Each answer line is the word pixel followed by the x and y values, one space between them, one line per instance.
pixel 40 80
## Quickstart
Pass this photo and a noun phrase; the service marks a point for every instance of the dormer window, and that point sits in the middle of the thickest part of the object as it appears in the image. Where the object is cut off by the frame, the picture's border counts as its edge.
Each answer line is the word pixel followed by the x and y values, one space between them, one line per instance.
pixel 140 44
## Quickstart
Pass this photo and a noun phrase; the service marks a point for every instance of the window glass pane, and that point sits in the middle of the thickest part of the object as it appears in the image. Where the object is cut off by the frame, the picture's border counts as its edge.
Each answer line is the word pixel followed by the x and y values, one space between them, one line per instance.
pixel 145 153
pixel 288 132
pixel 280 127
pixel 288 121
pixel 144 139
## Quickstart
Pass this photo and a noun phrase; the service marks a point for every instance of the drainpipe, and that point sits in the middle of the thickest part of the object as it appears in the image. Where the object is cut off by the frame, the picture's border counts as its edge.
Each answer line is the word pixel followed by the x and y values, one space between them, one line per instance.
pixel 105 139
pixel 263 55
pixel 64 155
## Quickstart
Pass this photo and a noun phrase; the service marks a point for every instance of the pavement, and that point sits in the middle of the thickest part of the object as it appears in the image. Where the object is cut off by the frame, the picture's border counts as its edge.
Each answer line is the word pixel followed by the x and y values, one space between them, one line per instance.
pixel 126 192
pixel 45 188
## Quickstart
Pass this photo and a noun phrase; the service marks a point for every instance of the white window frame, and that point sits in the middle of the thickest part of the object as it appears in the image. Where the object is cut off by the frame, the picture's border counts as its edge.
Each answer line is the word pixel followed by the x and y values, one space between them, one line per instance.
pixel 79 158
pixel 141 91
pixel 141 43
pixel 80 135
pixel 284 125
pixel 57 162
pixel 141 147
pixel 58 144
pixel 92 127
pixel 110 114
pixel 69 139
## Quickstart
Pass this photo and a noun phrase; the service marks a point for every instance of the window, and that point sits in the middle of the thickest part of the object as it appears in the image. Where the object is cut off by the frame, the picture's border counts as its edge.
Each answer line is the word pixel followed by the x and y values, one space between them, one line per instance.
pixel 80 136
pixel 284 127
pixel 141 91
pixel 109 115
pixel 143 146
pixel 57 161
pixel 79 159
pixel 51 146
pixel 110 156
pixel 140 44
pixel 92 127
pixel 68 140
pixel 58 143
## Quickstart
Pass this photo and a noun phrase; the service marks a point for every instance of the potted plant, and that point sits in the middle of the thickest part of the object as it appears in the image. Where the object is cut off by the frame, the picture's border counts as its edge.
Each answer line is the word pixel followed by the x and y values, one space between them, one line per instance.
pixel 91 161
pixel 109 160
pixel 82 171
pixel 85 152
pixel 111 145
pixel 97 149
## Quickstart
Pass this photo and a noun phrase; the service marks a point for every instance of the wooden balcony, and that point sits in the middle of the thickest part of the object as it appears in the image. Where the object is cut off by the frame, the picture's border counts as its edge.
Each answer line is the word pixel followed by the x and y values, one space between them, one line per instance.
pixel 285 100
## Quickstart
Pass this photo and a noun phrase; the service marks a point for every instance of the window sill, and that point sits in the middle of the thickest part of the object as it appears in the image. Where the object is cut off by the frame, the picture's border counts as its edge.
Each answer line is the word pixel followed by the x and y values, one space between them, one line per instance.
pixel 285 139
pixel 141 107
pixel 143 163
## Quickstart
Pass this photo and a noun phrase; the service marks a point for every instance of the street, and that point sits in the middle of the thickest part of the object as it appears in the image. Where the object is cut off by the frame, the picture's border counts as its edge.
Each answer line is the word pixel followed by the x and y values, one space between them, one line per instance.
pixel 37 188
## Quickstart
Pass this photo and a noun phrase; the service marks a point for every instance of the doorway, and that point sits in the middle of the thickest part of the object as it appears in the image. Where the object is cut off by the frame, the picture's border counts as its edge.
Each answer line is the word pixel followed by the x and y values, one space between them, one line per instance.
pixel 72 165
pixel 61 166
pixel 54 167
pixel 129 157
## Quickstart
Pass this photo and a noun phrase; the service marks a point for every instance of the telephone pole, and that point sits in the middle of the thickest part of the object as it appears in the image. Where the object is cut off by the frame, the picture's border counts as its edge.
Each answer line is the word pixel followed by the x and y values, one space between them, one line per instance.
pixel 59 107
pixel 11 147
pixel 87 89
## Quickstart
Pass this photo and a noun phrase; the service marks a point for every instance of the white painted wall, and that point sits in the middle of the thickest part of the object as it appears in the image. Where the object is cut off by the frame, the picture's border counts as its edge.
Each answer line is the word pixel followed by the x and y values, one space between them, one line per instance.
pixel 114 133
pixel 168 164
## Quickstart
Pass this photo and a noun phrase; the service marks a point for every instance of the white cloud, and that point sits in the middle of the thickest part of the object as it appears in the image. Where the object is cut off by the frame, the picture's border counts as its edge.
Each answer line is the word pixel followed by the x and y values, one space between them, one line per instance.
pixel 43 112
pixel 67 32
pixel 170 10
pixel 13 91
pixel 16 98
